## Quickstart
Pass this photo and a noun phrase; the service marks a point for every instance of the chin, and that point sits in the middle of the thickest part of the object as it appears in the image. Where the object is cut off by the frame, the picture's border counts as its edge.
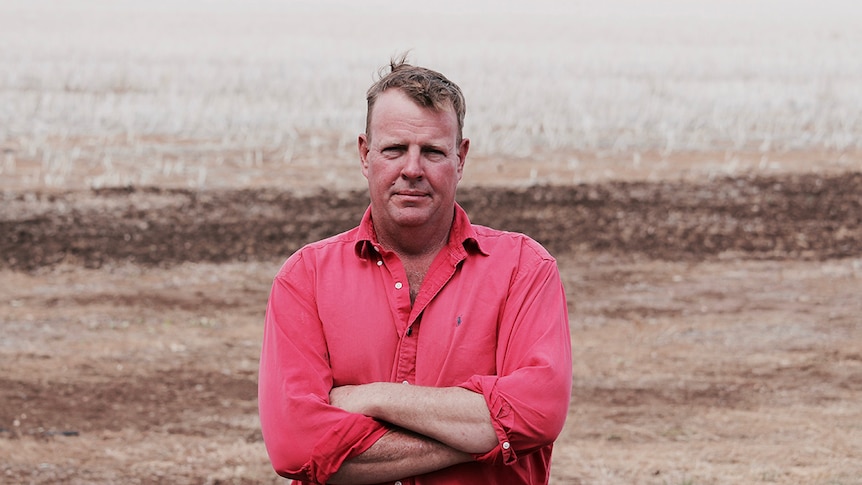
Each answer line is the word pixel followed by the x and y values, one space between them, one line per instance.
pixel 411 216
pixel 411 221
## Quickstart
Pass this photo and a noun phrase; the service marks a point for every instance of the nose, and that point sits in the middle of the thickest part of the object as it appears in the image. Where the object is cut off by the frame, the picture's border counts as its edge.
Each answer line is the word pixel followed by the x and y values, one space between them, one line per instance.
pixel 412 168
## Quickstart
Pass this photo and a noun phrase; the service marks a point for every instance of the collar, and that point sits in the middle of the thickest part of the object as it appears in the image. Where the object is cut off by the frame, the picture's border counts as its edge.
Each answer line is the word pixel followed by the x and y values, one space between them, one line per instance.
pixel 462 236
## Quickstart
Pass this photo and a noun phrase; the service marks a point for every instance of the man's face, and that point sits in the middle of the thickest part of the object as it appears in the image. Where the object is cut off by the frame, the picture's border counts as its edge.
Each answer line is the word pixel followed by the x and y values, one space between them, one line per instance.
pixel 413 162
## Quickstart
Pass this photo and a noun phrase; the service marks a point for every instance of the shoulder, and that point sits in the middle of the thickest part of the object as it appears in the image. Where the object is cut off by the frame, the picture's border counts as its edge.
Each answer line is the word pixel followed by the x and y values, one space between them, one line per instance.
pixel 508 244
pixel 516 258
pixel 330 249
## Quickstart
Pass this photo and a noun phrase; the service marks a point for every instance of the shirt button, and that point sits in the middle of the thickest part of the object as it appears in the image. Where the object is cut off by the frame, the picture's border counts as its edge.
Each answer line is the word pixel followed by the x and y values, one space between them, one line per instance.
pixel 398 483
pixel 398 285
pixel 379 263
pixel 405 382
pixel 506 445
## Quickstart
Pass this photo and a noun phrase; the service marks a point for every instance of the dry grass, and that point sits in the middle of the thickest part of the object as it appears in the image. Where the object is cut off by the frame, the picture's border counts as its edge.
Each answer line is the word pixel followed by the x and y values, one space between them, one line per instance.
pixel 200 94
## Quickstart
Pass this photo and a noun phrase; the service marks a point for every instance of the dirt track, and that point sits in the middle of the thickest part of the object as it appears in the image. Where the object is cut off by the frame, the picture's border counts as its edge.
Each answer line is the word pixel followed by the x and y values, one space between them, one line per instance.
pixel 716 327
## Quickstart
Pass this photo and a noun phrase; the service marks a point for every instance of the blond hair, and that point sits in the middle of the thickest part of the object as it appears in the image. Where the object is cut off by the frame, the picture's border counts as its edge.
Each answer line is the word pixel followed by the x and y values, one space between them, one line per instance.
pixel 426 87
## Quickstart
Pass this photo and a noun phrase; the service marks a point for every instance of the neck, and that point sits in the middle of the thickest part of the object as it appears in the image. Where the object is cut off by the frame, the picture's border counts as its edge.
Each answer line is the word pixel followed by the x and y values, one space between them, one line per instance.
pixel 413 243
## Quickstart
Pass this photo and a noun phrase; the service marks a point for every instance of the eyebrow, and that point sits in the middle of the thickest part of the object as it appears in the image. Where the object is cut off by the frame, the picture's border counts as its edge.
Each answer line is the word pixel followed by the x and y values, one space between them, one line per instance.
pixel 384 144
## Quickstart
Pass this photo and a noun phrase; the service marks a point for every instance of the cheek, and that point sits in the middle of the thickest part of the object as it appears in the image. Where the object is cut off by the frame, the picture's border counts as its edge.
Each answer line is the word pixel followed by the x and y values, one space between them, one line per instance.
pixel 379 175
pixel 447 175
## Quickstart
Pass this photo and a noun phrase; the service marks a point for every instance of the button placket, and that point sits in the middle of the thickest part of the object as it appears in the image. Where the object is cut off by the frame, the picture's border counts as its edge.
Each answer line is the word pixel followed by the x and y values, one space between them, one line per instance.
pixel 388 263
pixel 405 361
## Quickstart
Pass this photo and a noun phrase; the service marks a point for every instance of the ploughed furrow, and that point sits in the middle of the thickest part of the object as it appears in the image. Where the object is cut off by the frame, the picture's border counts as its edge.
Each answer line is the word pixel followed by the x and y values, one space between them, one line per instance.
pixel 796 216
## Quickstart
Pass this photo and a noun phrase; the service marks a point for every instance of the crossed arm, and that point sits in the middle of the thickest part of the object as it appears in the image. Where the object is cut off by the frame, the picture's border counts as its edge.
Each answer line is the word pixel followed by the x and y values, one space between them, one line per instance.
pixel 437 428
pixel 383 431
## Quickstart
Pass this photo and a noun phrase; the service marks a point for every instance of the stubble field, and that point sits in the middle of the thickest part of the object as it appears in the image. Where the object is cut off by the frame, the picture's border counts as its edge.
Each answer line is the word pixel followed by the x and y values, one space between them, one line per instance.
pixel 698 177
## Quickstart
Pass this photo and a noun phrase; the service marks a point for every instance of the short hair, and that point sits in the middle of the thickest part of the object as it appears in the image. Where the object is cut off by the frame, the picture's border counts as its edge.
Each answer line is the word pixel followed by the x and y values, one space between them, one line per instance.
pixel 426 87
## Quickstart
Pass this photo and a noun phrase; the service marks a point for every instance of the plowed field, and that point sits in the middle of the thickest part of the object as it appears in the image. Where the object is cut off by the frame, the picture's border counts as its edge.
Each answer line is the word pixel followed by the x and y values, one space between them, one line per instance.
pixel 716 327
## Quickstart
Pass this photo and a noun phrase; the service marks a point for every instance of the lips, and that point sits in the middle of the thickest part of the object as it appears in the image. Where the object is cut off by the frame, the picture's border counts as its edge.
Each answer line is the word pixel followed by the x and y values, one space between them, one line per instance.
pixel 411 193
pixel 408 198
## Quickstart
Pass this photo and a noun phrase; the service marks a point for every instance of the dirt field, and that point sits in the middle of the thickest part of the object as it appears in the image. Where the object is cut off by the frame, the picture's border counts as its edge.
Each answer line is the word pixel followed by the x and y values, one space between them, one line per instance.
pixel 715 327
pixel 696 167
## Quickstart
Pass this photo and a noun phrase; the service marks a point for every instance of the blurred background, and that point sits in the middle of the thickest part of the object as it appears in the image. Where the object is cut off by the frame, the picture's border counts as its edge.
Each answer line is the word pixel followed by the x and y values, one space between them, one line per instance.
pixel 196 93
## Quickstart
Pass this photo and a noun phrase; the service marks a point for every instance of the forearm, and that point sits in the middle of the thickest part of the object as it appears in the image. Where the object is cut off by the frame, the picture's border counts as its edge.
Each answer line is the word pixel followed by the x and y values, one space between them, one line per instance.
pixel 398 454
pixel 454 416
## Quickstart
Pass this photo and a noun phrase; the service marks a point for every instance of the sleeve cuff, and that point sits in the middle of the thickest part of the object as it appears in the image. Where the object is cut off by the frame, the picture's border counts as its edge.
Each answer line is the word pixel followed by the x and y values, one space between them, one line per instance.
pixel 502 419
pixel 349 438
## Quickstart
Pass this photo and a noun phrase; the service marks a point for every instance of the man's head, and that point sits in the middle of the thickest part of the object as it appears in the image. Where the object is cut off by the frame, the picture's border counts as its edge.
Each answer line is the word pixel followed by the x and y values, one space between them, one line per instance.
pixel 425 87
pixel 413 154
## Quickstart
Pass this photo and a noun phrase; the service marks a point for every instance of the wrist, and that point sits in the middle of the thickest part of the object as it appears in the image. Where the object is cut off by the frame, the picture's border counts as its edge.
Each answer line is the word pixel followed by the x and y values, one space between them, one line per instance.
pixel 373 399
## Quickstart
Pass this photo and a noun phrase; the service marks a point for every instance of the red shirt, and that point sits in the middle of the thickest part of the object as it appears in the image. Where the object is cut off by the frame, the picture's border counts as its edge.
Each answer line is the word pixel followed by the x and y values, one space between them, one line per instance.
pixel 490 317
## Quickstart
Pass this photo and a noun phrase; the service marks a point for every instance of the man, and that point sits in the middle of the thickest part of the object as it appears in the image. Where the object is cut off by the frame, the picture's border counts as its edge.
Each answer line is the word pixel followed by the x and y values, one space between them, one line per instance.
pixel 416 348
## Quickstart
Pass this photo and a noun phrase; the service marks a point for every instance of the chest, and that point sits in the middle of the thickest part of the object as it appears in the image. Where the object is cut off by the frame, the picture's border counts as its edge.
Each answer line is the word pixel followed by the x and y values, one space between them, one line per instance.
pixel 416 271
pixel 374 333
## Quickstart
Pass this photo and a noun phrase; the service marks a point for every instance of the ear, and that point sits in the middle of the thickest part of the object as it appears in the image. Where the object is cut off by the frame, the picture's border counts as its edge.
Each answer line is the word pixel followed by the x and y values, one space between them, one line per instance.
pixel 362 144
pixel 463 148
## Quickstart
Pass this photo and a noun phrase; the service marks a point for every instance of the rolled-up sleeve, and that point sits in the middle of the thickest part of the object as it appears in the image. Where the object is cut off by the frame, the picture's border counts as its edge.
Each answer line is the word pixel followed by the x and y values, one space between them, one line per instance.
pixel 529 397
pixel 306 438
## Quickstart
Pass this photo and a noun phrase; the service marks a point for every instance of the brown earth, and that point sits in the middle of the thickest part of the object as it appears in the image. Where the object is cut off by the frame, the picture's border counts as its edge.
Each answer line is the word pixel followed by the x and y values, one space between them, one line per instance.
pixel 716 327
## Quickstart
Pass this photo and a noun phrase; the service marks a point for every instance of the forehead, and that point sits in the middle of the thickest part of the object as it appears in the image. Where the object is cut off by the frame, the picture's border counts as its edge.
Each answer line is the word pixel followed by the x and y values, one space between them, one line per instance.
pixel 395 115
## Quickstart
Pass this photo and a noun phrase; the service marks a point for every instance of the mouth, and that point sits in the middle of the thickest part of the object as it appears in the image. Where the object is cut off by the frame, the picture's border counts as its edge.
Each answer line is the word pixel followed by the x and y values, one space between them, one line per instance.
pixel 411 195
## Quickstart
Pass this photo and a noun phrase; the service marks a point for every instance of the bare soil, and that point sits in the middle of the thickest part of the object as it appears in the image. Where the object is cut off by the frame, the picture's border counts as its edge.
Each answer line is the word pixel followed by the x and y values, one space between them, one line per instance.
pixel 716 327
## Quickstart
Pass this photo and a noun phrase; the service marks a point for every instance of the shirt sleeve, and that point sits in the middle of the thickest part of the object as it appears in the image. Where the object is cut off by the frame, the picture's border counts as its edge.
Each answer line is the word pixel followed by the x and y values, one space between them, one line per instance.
pixel 529 397
pixel 306 438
